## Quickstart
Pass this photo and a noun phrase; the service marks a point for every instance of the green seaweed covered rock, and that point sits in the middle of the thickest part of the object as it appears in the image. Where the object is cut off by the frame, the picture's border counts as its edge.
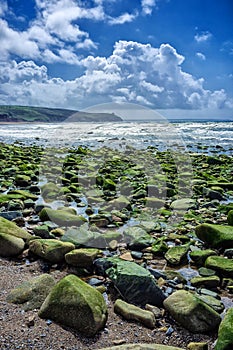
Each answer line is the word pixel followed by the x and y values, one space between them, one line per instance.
pixel 61 217
pixel 221 265
pixel 216 236
pixel 12 229
pixel 32 293
pixel 134 282
pixel 73 303
pixel 192 313
pixel 225 332
pixel 52 250
pixel 10 245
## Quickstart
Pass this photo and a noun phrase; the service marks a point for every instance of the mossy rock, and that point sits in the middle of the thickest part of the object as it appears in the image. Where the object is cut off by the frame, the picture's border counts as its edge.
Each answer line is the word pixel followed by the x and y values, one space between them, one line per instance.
pixel 216 236
pixel 191 312
pixel 82 257
pixel 199 256
pixel 10 245
pixel 52 250
pixel 134 282
pixel 75 304
pixel 225 332
pixel 221 265
pixel 12 229
pixel 61 217
pixel 183 204
pixel 32 293
pixel 230 218
pixel 137 238
pixel 211 282
pixel 175 255
pixel 159 247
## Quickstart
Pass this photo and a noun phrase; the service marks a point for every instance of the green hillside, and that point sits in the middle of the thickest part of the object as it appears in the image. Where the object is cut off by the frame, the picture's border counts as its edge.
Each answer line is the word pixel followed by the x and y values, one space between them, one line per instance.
pixel 49 115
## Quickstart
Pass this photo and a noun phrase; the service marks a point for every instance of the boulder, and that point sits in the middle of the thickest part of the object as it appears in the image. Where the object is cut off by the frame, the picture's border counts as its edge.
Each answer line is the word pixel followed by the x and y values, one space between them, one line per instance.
pixel 135 313
pixel 32 293
pixel 216 236
pixel 221 265
pixel 82 257
pixel 134 282
pixel 52 250
pixel 10 245
pixel 192 313
pixel 225 332
pixel 73 303
pixel 12 229
pixel 61 217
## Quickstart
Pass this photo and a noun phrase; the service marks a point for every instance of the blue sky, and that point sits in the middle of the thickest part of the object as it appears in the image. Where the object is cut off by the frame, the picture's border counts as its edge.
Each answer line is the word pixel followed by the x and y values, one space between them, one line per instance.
pixel 174 56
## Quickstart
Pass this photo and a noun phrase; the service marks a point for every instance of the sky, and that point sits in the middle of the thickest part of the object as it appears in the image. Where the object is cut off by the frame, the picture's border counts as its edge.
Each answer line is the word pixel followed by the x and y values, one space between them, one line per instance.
pixel 172 56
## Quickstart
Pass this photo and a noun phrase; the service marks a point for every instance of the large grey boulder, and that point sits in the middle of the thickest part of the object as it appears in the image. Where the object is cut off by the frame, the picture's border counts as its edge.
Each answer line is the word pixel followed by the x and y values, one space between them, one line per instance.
pixel 73 303
pixel 32 293
pixel 192 313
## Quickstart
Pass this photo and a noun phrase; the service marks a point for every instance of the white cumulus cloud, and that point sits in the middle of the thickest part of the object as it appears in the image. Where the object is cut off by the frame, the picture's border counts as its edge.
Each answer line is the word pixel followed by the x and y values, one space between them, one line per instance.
pixel 133 72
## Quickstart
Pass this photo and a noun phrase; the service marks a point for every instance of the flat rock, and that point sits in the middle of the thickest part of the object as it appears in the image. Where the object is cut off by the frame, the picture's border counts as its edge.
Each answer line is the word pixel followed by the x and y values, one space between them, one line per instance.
pixel 82 257
pixel 192 313
pixel 135 313
pixel 73 303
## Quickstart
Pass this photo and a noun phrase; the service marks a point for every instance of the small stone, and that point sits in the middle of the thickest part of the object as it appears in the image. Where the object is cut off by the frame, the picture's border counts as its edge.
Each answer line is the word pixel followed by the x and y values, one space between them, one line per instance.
pixel 203 271
pixel 113 244
pixel 31 321
pixel 132 312
pixel 156 311
pixel 119 341
pixel 197 346
pixel 126 256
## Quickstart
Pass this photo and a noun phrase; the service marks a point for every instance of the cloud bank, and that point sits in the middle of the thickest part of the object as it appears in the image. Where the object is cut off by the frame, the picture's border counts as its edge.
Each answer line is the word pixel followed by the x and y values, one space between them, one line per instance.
pixel 134 72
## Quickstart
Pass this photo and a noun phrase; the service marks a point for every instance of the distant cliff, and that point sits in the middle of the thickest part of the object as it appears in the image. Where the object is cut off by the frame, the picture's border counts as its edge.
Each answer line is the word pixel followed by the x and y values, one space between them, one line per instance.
pixel 51 115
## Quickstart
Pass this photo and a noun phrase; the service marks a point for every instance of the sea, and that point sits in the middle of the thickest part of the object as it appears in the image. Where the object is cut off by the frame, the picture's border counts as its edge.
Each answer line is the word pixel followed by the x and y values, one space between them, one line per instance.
pixel 192 135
